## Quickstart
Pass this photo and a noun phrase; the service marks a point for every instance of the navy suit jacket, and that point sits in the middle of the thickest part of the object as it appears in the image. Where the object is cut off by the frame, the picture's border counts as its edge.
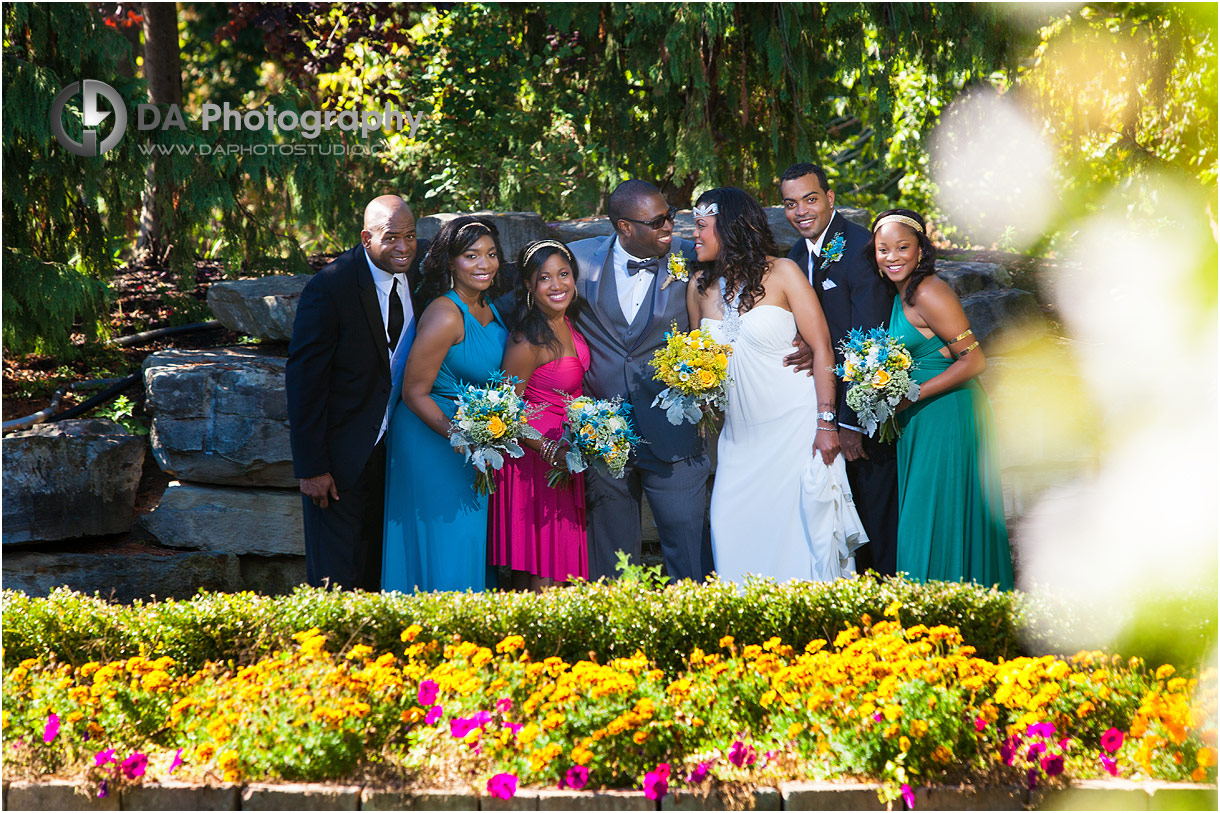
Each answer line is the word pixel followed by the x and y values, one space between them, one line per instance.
pixel 852 294
pixel 338 374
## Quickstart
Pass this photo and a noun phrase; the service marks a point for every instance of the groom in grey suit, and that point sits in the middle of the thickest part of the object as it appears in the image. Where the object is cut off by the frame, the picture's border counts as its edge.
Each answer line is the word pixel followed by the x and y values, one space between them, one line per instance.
pixel 628 310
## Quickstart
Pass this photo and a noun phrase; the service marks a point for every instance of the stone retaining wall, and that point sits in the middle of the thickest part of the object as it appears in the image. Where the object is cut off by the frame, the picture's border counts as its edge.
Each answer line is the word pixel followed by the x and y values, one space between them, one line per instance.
pixel 1081 795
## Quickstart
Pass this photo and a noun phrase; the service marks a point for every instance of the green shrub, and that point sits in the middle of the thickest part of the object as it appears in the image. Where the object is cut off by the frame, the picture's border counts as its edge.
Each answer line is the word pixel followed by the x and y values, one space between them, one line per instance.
pixel 609 620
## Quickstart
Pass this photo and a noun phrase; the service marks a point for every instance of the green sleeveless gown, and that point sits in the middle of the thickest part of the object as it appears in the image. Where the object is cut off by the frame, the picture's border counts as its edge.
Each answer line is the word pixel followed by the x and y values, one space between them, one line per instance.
pixel 950 508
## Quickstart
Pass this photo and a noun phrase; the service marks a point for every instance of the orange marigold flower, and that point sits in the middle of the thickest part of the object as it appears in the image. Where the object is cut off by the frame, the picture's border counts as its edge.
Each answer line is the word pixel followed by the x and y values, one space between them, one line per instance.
pixel 510 644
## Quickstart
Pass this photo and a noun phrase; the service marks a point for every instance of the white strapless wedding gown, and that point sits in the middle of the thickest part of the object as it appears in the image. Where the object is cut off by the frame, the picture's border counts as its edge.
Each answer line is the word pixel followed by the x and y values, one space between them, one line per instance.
pixel 777 510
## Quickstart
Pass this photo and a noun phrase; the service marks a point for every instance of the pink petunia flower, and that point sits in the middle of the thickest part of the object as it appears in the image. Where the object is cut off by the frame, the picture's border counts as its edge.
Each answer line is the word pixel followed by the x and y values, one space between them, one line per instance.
pixel 433 715
pixel 428 691
pixel 1032 776
pixel 177 763
pixel 504 705
pixel 577 777
pixel 514 727
pixel 1112 740
pixel 1040 730
pixel 1008 750
pixel 980 724
pixel 656 783
pixel 105 757
pixel 102 789
pixel 1036 750
pixel 481 718
pixel 502 786
pixel 698 774
pixel 461 726
pixel 1111 765
pixel 1052 764
pixel 133 767
pixel 908 796
pixel 51 730
pixel 741 754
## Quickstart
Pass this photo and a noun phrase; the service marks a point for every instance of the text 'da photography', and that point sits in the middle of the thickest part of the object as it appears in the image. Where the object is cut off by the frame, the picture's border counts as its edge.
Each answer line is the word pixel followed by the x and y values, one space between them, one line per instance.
pixel 609 406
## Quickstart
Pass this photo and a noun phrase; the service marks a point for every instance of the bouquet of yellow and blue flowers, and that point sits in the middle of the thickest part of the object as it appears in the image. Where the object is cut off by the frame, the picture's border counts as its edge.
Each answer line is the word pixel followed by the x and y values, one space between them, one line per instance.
pixel 877 369
pixel 695 370
pixel 489 423
pixel 598 433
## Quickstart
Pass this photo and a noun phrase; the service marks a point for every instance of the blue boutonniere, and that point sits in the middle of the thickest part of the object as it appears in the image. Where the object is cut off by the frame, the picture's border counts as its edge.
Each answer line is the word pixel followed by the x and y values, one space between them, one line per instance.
pixel 833 252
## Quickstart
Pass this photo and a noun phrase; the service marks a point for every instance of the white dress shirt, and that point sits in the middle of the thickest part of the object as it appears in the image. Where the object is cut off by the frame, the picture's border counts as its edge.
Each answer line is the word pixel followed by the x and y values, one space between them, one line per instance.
pixel 815 247
pixel 633 289
pixel 384 282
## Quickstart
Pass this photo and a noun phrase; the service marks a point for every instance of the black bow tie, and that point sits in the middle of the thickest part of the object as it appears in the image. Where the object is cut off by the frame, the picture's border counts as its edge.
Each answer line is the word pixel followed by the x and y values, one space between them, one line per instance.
pixel 636 266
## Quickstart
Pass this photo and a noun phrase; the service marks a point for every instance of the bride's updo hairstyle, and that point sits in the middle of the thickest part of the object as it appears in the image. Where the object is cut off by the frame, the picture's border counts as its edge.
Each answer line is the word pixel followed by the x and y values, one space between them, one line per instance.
pixel 745 243
pixel 927 262
pixel 454 238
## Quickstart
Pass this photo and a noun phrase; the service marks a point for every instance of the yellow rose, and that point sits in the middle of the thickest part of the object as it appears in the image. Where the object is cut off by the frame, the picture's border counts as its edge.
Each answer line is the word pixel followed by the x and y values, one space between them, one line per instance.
pixel 880 379
pixel 902 361
pixel 721 358
pixel 706 378
pixel 496 426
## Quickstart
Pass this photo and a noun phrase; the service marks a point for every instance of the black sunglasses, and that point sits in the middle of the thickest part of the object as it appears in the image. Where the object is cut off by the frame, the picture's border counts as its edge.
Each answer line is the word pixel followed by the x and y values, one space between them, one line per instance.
pixel 657 222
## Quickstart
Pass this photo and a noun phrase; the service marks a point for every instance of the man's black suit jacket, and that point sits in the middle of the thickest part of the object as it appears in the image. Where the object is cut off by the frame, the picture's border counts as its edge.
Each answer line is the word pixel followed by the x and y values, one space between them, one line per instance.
pixel 338 373
pixel 850 290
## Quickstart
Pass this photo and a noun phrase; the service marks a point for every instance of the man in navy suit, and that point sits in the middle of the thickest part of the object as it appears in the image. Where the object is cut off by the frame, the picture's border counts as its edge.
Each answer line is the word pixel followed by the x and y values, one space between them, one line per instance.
pixel 353 327
pixel 832 253
pixel 631 302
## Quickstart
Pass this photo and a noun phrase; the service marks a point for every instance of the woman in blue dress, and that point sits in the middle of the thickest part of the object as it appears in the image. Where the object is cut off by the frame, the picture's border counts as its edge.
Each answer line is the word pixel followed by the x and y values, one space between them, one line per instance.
pixel 435 523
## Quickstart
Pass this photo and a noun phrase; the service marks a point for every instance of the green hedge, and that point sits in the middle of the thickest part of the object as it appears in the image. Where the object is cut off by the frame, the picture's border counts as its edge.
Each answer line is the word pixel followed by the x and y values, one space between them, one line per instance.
pixel 607 619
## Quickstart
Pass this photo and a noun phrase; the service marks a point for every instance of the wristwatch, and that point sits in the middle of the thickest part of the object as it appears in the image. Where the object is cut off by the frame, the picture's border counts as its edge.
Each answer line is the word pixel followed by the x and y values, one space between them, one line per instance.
pixel 829 417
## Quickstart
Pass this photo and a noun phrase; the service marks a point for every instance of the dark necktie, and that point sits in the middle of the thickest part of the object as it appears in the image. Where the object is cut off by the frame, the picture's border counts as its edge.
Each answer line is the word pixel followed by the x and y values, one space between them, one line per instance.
pixel 394 329
pixel 636 266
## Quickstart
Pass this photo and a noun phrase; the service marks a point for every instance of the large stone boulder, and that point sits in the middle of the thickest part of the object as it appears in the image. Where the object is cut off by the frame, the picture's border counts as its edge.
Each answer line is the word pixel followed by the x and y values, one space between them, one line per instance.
pixel 220 518
pixel 262 307
pixel 125 574
pixel 516 228
pixel 70 479
pixel 569 231
pixel 1004 319
pixel 969 277
pixel 220 416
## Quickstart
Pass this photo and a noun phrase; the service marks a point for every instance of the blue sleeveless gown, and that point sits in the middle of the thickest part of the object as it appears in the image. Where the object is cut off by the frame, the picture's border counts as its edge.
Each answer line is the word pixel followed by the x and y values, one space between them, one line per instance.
pixel 435 523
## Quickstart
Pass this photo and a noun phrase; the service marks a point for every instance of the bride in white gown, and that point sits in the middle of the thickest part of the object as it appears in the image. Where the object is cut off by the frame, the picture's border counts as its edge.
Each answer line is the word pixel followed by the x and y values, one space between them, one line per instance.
pixel 781 506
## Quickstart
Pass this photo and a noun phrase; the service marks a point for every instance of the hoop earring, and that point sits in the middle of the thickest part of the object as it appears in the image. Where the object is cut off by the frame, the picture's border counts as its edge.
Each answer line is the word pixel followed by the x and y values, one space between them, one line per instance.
pixel 529 301
pixel 920 256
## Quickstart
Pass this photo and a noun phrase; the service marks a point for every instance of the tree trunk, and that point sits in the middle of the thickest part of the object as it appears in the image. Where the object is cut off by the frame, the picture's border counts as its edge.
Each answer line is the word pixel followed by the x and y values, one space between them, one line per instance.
pixel 163 72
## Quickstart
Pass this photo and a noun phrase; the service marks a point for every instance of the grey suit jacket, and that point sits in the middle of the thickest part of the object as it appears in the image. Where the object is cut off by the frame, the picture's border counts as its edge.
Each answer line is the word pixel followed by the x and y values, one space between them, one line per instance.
pixel 621 351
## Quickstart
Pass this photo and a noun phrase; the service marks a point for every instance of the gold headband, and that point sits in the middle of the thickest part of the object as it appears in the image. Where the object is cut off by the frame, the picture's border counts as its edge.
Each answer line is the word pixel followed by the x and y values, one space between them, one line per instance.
pixel 903 219
pixel 529 252
pixel 474 223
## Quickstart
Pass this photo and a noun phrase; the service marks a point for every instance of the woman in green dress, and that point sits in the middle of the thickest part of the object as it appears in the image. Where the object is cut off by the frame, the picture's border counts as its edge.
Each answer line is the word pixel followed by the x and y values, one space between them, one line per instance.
pixel 950 508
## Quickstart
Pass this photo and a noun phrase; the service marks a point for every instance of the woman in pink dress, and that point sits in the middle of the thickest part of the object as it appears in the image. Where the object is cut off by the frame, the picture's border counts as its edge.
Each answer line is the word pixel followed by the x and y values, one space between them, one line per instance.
pixel 536 530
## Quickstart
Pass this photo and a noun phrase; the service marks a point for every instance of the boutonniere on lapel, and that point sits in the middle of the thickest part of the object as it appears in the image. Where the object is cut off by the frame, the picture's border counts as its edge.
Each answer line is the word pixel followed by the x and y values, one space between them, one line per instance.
pixel 679 269
pixel 833 252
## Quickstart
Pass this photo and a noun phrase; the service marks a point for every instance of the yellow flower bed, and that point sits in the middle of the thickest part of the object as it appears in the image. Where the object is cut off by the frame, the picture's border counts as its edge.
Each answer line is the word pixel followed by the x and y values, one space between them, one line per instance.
pixel 903 706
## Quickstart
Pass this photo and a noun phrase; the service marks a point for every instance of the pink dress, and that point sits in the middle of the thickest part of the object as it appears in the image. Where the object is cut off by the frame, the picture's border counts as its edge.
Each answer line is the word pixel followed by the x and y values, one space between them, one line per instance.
pixel 535 528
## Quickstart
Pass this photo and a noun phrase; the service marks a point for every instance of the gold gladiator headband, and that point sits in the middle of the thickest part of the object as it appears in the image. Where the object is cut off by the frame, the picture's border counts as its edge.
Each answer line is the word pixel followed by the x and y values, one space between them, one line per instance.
pixel 903 219
pixel 543 244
